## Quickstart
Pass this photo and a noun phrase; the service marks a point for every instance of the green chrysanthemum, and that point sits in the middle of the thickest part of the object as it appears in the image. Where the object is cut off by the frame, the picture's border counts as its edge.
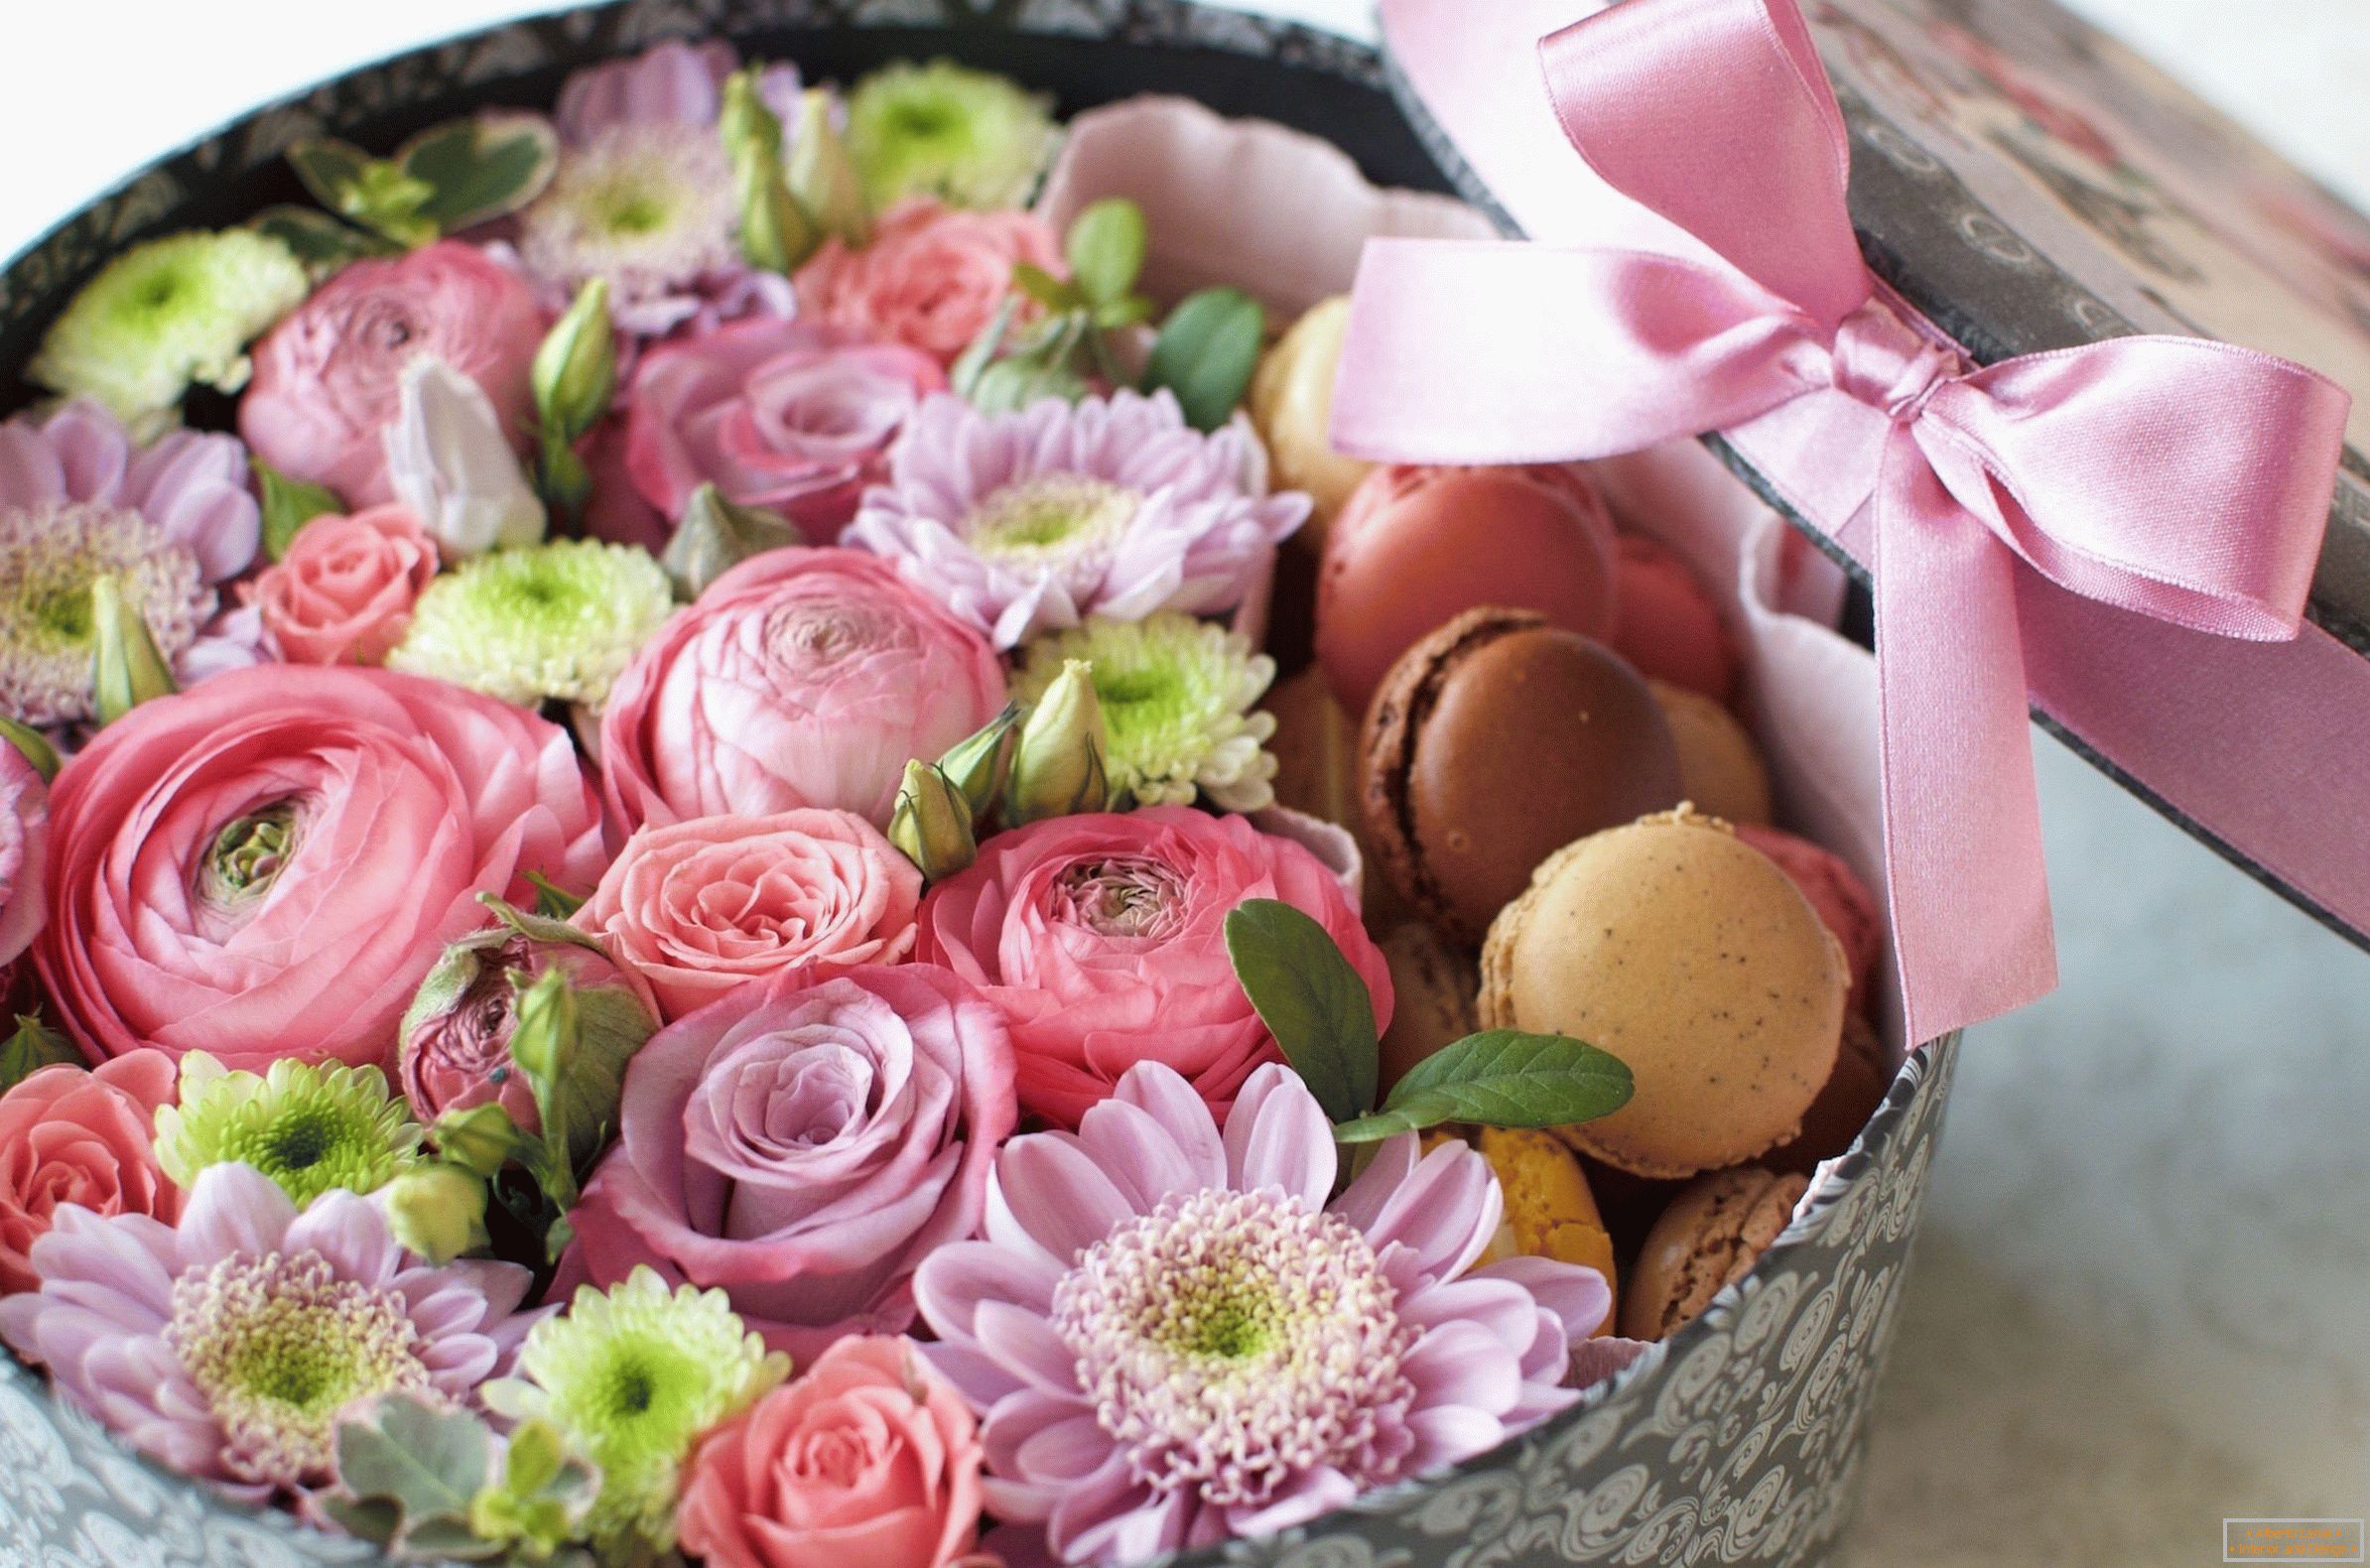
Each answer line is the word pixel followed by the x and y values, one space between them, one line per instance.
pixel 1176 695
pixel 166 314
pixel 308 1128
pixel 558 619
pixel 968 137
pixel 630 1378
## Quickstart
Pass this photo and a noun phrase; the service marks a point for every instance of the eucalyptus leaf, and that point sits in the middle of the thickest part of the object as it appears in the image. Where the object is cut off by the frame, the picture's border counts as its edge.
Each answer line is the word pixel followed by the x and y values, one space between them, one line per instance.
pixel 426 1460
pixel 1310 999
pixel 1106 249
pixel 1206 352
pixel 287 505
pixel 482 168
pixel 1501 1078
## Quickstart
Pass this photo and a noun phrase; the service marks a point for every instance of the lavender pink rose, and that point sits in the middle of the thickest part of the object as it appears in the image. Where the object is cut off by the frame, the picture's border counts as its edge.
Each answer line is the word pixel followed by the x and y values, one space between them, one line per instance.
pixel 85 1136
pixel 345 591
pixel 932 277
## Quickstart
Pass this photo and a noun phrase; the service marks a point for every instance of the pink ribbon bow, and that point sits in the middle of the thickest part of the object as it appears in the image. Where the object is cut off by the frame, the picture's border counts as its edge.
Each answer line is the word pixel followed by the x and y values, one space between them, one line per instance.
pixel 2017 518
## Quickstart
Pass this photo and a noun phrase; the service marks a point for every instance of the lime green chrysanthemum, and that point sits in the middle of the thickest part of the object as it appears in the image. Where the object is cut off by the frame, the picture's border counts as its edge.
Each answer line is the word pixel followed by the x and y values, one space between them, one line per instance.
pixel 1176 695
pixel 968 137
pixel 163 315
pixel 558 619
pixel 630 1378
pixel 308 1128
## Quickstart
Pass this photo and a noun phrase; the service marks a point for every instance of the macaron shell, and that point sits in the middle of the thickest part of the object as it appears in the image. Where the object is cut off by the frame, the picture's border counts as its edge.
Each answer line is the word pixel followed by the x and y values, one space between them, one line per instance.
pixel 1414 547
pixel 1835 890
pixel 1691 957
pixel 1854 1090
pixel 1292 407
pixel 1668 623
pixel 1710 1237
pixel 1721 770
pixel 1432 989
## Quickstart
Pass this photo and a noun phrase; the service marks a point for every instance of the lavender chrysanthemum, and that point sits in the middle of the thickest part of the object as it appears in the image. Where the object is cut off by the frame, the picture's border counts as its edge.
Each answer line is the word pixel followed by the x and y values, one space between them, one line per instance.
pixel 647 205
pixel 1174 1339
pixel 1028 522
pixel 227 1345
pixel 191 486
pixel 50 556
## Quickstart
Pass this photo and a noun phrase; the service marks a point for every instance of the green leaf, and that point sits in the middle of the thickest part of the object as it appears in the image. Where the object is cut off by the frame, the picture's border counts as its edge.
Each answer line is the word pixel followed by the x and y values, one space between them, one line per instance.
pixel 1132 311
pixel 320 241
pixel 1501 1078
pixel 552 901
pixel 427 1461
pixel 377 194
pixel 1310 999
pixel 479 169
pixel 287 505
pixel 965 372
pixel 1106 249
pixel 31 1048
pixel 31 745
pixel 332 170
pixel 1044 288
pixel 715 535
pixel 1206 352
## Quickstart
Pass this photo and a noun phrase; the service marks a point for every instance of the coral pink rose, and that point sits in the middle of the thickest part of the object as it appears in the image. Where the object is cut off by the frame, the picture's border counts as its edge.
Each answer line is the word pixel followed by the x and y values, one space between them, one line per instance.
pixel 1102 939
pixel 776 413
pixel 702 906
pixel 800 677
pixel 329 378
pixel 803 1145
pixel 344 593
pixel 870 1460
pixel 268 865
pixel 932 277
pixel 73 1134
pixel 24 851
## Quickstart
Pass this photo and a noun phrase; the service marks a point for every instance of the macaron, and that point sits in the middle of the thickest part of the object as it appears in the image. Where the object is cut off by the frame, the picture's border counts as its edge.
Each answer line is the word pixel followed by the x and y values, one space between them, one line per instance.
pixel 1835 890
pixel 1497 741
pixel 1416 546
pixel 1710 1237
pixel 1720 769
pixel 1687 954
pixel 1292 407
pixel 1431 997
pixel 1862 1072
pixel 1549 1210
pixel 1669 625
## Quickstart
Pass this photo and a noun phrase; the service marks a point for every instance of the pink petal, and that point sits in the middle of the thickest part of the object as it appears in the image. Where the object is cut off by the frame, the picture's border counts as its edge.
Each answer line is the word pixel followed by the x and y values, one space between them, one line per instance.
pixel 1445 1212
pixel 1052 1190
pixel 1278 1136
pixel 1162 1091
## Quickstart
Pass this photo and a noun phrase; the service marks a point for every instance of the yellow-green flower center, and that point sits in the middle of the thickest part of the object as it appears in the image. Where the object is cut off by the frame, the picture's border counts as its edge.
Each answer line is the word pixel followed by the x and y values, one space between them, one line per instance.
pixel 1054 517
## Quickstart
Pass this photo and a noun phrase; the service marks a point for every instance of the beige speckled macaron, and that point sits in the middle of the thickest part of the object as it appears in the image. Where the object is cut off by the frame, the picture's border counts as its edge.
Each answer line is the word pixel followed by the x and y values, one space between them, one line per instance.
pixel 1720 769
pixel 1710 1237
pixel 1690 956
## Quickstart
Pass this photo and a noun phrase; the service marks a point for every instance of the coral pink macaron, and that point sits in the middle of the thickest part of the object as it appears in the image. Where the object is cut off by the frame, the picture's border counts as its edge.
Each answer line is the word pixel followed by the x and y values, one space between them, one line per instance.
pixel 1668 625
pixel 1845 905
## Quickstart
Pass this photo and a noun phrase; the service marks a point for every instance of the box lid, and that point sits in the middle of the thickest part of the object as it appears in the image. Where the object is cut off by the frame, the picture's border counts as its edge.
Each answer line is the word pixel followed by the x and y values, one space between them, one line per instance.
pixel 2027 184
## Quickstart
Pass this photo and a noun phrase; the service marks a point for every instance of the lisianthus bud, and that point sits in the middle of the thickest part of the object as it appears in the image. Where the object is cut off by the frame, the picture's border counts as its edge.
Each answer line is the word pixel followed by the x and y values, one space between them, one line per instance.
pixel 1057 765
pixel 127 669
pixel 481 1139
pixel 437 1210
pixel 823 177
pixel 450 462
pixel 32 744
pixel 932 822
pixel 715 534
pixel 979 764
pixel 575 370
pixel 544 1044
pixel 776 234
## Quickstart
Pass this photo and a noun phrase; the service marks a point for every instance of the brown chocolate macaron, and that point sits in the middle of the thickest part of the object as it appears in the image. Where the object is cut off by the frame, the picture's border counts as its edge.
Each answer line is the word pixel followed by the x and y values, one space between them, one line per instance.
pixel 1862 1072
pixel 1494 742
pixel 1709 1238
pixel 1431 991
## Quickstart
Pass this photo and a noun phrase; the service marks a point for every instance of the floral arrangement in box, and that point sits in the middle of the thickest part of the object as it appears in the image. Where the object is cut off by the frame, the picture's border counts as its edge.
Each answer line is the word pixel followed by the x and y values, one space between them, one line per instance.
pixel 667 904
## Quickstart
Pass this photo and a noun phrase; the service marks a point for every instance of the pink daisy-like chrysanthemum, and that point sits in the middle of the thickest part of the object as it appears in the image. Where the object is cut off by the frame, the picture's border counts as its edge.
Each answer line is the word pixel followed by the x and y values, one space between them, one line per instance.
pixel 226 1345
pixel 1174 1338
pixel 1111 506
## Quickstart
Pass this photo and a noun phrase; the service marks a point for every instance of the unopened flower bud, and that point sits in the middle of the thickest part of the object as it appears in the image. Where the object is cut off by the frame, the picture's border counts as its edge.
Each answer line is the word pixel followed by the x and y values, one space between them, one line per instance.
pixel 575 368
pixel 932 822
pixel 544 1044
pixel 1057 764
pixel 823 177
pixel 481 1139
pixel 978 763
pixel 31 745
pixel 776 234
pixel 450 462
pixel 715 534
pixel 127 669
pixel 437 1210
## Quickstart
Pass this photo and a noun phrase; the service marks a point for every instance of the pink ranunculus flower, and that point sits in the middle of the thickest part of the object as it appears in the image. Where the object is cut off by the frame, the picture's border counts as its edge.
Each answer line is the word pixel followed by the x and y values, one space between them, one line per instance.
pixel 1103 938
pixel 267 866
pixel 24 851
pixel 932 277
pixel 329 378
pixel 803 1145
pixel 702 906
pixel 800 677
pixel 784 414
pixel 870 1460
pixel 344 593
pixel 70 1134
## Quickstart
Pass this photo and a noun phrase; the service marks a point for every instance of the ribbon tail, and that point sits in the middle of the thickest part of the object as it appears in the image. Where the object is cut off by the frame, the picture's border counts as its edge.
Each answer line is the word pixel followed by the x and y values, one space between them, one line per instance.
pixel 1965 883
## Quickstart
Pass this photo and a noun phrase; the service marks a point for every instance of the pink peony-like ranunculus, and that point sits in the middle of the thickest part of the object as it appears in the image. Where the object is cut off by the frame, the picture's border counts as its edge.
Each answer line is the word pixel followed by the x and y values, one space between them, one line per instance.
pixel 870 1460
pixel 800 677
pixel 327 379
pixel 267 866
pixel 24 851
pixel 803 1145
pixel 777 414
pixel 1103 938
pixel 932 277
pixel 702 906
pixel 344 593
pixel 72 1134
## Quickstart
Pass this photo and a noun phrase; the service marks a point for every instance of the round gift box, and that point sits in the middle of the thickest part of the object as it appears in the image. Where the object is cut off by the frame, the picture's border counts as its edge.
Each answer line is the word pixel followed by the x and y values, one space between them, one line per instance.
pixel 1735 1441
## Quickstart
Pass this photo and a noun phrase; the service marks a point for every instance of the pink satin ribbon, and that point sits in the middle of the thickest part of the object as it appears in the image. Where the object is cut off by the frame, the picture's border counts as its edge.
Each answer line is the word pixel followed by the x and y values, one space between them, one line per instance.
pixel 2125 531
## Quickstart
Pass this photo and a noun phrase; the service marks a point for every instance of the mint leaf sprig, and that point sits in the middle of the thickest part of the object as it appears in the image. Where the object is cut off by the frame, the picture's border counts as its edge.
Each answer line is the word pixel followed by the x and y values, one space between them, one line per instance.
pixel 1318 1009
